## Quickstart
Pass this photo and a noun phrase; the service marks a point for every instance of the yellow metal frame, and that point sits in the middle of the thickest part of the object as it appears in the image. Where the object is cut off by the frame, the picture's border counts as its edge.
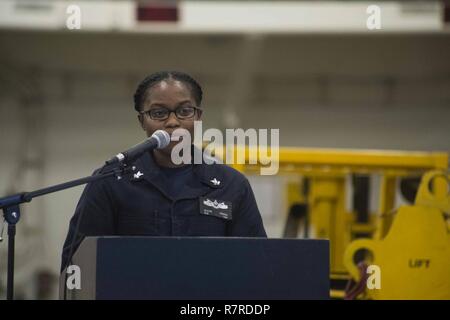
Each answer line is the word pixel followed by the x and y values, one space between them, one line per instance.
pixel 327 170
pixel 345 160
pixel 413 258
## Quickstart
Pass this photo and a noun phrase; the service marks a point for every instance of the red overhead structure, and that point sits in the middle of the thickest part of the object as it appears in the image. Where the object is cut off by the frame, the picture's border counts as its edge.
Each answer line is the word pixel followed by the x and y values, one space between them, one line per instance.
pixel 157 11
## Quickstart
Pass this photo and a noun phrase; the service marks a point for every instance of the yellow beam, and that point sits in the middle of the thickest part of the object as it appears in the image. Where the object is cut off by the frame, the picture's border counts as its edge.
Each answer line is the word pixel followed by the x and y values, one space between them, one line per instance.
pixel 371 158
pixel 341 160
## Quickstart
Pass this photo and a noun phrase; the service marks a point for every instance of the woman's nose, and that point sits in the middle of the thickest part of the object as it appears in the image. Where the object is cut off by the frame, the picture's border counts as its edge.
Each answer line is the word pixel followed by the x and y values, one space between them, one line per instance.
pixel 172 120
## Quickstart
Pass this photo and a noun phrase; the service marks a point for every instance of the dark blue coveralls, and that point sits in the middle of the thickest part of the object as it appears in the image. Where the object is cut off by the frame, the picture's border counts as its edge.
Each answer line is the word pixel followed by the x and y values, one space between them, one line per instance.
pixel 196 200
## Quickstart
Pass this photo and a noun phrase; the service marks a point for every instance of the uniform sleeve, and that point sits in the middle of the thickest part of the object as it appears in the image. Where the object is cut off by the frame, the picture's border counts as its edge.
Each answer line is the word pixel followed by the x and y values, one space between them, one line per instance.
pixel 247 221
pixel 94 216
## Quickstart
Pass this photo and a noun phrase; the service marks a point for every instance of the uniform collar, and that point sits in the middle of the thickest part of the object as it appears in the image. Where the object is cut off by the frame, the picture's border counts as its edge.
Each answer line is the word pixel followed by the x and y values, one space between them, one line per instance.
pixel 208 174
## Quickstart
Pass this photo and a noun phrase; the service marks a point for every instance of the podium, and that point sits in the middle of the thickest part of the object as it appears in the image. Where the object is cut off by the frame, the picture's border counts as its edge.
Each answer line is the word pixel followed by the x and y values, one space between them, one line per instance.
pixel 200 268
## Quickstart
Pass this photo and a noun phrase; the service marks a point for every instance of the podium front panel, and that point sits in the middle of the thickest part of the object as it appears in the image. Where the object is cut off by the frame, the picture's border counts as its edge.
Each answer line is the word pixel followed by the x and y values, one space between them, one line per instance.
pixel 202 268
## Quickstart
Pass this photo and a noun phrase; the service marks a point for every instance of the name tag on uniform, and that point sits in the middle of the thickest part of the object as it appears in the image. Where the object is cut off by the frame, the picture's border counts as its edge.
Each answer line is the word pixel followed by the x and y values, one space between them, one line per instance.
pixel 216 208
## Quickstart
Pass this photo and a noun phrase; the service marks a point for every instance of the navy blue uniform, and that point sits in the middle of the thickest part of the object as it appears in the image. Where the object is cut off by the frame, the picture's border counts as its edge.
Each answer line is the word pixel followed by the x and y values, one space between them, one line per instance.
pixel 195 200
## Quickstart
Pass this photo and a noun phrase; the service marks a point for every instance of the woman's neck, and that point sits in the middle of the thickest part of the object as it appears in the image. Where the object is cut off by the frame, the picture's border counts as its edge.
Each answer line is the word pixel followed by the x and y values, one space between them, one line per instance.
pixel 164 160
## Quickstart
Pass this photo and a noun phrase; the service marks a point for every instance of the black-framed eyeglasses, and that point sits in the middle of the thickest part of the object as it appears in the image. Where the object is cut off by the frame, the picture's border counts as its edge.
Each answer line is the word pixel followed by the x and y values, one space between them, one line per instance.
pixel 162 113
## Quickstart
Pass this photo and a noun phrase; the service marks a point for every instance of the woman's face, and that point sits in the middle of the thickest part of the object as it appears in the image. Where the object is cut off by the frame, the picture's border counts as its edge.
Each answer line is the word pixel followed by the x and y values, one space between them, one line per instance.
pixel 169 94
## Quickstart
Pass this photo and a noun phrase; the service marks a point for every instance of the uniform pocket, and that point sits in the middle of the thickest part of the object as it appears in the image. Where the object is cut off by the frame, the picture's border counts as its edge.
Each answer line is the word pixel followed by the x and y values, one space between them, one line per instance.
pixel 208 226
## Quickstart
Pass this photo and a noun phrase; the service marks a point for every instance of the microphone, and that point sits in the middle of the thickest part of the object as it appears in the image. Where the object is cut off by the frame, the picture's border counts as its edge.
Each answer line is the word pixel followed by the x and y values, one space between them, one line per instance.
pixel 158 140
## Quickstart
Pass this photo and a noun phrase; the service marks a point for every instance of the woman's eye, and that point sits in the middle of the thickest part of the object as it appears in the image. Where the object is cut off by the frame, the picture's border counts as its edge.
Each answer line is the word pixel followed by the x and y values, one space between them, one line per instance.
pixel 158 113
pixel 185 111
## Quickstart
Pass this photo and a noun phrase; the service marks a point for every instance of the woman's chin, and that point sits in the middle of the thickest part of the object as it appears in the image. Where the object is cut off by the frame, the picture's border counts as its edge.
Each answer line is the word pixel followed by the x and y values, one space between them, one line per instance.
pixel 168 150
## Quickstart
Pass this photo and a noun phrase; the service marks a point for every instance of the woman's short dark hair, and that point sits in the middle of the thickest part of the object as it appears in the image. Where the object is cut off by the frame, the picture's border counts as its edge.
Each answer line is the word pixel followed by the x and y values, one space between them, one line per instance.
pixel 154 78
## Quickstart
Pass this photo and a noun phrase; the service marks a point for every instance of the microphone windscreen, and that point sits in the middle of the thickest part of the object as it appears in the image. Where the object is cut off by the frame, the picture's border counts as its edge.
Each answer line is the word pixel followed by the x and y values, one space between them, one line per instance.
pixel 162 137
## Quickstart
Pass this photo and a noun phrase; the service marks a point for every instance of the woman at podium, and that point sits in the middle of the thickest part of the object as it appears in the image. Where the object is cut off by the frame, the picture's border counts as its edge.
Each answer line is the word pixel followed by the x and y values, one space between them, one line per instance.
pixel 161 198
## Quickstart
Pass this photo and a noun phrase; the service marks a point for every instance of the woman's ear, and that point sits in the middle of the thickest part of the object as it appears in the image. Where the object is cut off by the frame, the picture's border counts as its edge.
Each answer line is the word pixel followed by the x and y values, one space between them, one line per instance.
pixel 199 114
pixel 141 121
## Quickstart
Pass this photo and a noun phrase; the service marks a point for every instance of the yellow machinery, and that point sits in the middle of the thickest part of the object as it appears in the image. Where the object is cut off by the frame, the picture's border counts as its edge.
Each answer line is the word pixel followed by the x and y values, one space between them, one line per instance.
pixel 321 197
pixel 414 257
